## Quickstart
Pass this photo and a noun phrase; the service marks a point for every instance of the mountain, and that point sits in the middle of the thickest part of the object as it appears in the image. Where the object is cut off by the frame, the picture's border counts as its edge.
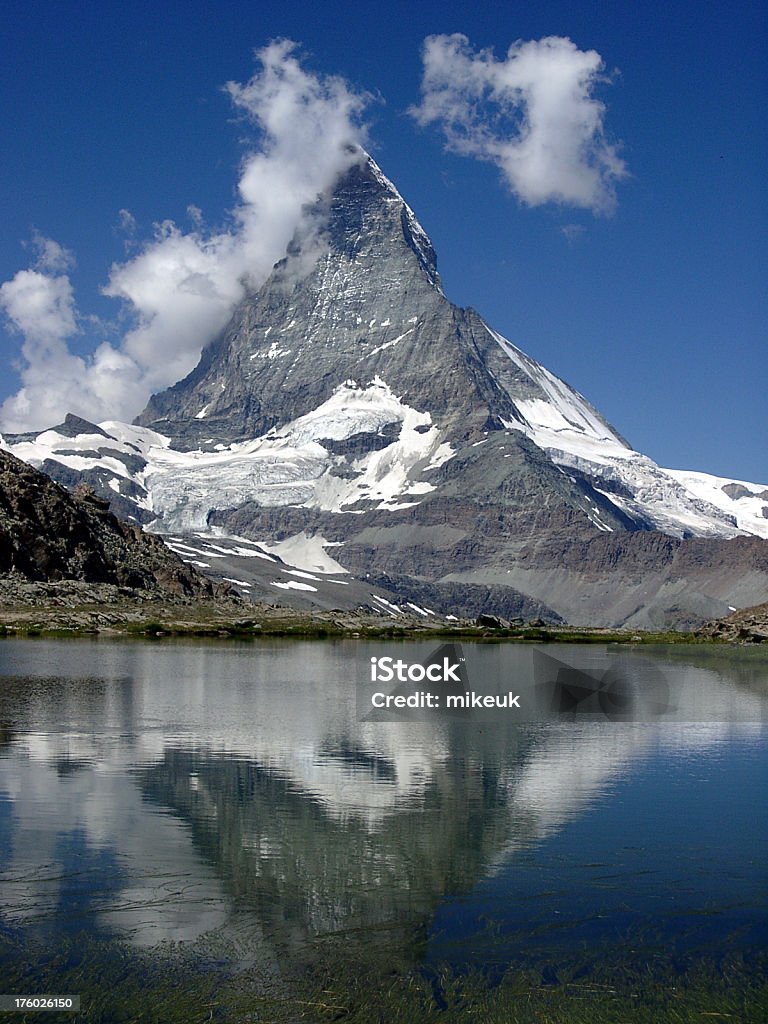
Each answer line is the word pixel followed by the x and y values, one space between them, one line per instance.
pixel 350 403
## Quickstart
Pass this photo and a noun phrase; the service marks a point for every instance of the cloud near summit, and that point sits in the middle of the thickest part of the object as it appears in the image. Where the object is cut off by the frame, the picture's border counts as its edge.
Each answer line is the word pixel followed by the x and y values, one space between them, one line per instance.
pixel 181 287
pixel 533 114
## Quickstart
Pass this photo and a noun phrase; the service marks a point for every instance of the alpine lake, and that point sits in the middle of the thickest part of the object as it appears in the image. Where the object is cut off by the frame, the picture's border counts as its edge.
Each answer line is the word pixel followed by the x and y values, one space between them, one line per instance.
pixel 195 830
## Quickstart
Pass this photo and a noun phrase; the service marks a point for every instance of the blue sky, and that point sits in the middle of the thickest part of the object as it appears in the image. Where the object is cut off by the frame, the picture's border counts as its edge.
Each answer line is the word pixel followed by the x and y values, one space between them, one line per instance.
pixel 656 309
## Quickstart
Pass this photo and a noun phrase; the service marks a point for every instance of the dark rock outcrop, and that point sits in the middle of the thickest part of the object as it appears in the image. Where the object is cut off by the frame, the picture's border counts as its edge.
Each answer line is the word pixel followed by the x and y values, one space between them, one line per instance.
pixel 49 534
pixel 489 621
pixel 466 599
pixel 750 625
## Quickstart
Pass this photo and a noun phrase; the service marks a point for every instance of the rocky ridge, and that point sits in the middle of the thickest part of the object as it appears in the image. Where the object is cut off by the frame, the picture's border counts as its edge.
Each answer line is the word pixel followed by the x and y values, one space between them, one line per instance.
pixel 48 534
pixel 749 625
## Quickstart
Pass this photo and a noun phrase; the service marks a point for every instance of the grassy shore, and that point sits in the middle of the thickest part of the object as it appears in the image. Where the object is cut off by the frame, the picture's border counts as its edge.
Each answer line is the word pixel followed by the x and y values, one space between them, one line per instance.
pixel 320 626
pixel 157 618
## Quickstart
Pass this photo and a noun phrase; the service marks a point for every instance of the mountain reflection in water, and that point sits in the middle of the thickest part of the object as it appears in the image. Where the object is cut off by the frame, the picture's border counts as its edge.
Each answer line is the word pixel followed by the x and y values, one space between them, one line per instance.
pixel 154 792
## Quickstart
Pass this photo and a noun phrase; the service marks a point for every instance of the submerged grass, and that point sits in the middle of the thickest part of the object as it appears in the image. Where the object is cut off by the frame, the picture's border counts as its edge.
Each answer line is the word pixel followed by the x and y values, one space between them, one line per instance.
pixel 522 997
pixel 120 985
pixel 624 987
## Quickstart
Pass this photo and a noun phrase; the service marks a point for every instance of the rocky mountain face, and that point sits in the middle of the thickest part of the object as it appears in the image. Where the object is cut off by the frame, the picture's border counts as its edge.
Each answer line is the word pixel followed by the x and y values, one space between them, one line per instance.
pixel 48 534
pixel 350 402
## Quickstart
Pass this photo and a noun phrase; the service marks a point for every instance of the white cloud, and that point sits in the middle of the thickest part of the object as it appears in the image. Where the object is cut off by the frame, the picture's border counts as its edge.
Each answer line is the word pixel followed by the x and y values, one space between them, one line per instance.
pixel 533 114
pixel 180 288
pixel 572 232
pixel 40 305
pixel 51 257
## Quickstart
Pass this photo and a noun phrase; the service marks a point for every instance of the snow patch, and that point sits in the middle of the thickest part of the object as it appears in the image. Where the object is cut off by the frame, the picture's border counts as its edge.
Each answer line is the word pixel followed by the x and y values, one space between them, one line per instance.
pixel 387 344
pixel 293 585
pixel 183 550
pixel 391 608
pixel 303 575
pixel 747 510
pixel 421 611
pixel 575 436
pixel 291 467
pixel 273 352
pixel 306 553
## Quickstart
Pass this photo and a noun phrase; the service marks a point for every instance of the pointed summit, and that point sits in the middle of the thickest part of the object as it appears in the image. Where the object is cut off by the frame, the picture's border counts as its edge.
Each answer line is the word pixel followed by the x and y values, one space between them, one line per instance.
pixel 369 219
pixel 359 277
pixel 358 296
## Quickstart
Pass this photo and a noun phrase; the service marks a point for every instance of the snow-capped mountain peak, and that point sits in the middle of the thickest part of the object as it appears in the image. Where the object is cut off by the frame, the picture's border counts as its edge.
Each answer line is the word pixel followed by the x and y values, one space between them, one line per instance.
pixel 348 399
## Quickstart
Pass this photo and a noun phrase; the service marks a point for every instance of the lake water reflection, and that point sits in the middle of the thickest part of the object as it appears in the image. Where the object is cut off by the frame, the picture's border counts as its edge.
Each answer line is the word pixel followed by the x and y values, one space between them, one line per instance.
pixel 167 792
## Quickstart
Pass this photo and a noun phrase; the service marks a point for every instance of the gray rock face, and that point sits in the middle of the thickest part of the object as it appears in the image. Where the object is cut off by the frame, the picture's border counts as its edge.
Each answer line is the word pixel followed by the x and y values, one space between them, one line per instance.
pixel 737 491
pixel 372 308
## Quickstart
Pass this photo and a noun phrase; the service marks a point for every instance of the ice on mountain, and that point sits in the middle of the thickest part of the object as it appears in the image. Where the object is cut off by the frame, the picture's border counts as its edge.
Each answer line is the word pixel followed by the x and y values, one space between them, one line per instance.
pixel 306 552
pixel 293 585
pixel 747 511
pixel 293 468
pixel 288 427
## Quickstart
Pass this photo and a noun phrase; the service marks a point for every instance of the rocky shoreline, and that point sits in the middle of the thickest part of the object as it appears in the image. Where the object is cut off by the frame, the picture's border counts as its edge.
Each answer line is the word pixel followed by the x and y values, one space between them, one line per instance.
pixel 749 625
pixel 79 608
